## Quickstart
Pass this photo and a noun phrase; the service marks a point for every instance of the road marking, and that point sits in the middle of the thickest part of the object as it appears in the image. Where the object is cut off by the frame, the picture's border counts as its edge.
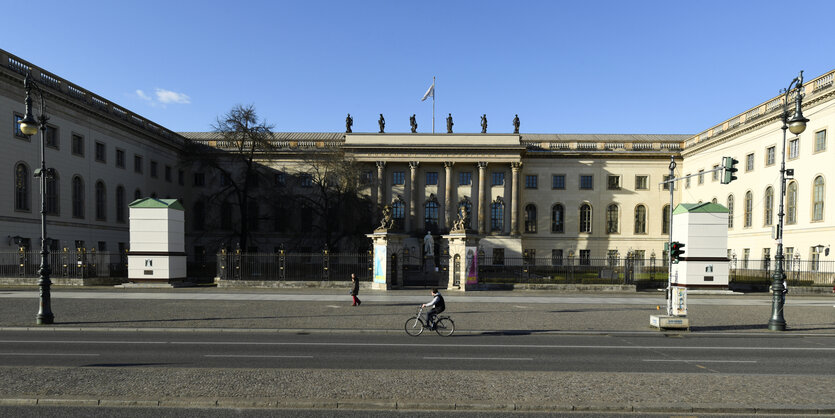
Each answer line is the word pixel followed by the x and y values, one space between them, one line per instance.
pixel 251 356
pixel 481 358
pixel 702 361
pixel 50 354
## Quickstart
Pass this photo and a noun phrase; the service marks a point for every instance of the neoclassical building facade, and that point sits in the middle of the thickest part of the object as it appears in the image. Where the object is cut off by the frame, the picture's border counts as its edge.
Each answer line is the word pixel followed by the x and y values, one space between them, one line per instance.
pixel 546 195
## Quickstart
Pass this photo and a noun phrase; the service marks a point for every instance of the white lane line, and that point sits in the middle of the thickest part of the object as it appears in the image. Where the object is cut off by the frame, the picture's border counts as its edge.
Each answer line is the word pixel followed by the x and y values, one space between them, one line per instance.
pixel 481 358
pixel 251 356
pixel 702 361
pixel 50 354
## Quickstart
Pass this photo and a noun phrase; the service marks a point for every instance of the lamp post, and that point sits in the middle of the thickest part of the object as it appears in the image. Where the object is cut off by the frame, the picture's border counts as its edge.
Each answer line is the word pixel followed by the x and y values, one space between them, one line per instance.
pixel 797 124
pixel 30 126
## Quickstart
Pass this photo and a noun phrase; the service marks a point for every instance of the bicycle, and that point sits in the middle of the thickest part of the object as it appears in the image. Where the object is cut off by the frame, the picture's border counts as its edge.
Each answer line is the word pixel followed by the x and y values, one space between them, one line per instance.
pixel 444 325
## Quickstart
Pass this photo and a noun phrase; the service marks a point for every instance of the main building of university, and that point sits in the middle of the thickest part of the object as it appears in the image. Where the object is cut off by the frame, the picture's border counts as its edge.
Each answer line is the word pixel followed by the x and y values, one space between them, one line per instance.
pixel 545 195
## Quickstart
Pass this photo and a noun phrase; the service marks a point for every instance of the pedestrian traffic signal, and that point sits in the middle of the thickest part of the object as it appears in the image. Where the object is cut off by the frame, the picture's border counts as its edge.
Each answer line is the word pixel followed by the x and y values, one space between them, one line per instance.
pixel 728 169
pixel 676 250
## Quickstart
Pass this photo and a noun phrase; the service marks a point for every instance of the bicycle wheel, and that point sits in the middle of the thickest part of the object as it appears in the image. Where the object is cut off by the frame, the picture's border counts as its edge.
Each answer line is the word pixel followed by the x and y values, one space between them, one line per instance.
pixel 414 327
pixel 445 327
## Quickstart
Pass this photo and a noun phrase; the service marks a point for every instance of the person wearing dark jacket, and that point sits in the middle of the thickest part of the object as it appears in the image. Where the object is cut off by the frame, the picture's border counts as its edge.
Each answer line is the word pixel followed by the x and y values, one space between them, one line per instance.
pixel 438 306
pixel 355 290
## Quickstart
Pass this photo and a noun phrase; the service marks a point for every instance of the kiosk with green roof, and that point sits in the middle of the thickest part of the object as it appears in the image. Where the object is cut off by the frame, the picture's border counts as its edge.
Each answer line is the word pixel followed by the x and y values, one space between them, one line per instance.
pixel 703 228
pixel 157 241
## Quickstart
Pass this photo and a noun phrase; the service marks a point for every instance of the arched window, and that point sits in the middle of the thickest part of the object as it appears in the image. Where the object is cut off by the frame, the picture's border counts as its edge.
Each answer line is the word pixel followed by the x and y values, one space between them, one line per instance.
pixel 101 201
pixel 612 217
pixel 430 216
pixel 791 203
pixel 665 219
pixel 22 194
pixel 530 218
pixel 730 211
pixel 640 219
pixel 749 209
pixel 199 216
pixel 768 210
pixel 585 218
pixel 52 198
pixel 497 216
pixel 77 197
pixel 558 218
pixel 397 213
pixel 817 199
pixel 120 204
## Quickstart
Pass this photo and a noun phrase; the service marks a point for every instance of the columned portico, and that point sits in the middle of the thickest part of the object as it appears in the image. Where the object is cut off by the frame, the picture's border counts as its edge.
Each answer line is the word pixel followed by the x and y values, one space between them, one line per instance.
pixel 482 197
pixel 514 201
pixel 448 211
pixel 411 220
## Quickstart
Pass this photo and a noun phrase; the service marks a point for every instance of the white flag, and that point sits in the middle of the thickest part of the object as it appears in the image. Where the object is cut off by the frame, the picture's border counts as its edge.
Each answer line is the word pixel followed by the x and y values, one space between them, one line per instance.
pixel 430 92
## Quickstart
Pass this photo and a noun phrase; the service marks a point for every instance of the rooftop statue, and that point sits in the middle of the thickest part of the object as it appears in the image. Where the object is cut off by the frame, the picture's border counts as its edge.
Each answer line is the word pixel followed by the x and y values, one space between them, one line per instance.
pixel 484 123
pixel 516 124
pixel 382 123
pixel 449 124
pixel 349 121
pixel 413 123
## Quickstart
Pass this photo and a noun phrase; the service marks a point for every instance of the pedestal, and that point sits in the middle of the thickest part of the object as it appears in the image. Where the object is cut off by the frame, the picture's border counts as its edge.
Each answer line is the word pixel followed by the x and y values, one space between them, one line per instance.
pixel 463 261
pixel 387 272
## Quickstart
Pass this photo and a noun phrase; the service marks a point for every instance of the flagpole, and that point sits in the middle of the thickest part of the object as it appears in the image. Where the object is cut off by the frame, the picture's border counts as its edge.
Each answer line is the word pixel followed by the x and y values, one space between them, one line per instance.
pixel 433 105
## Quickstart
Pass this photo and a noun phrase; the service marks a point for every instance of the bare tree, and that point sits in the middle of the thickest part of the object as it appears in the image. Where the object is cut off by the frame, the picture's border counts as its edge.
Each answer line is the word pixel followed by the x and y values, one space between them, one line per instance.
pixel 243 142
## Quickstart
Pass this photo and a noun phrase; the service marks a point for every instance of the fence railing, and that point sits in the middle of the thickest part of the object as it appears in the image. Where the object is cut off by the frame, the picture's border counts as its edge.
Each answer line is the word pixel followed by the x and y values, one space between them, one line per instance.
pixel 569 270
pixel 64 264
pixel 323 266
pixel 798 272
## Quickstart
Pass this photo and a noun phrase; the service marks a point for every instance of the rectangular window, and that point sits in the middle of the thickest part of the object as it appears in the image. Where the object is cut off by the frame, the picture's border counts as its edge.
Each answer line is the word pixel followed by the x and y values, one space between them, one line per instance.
pixel 687 182
pixel 715 176
pixel 558 181
pixel 613 182
pixel 749 162
pixel 366 177
pixel 465 178
pixel 641 182
pixel 746 255
pixel 586 182
pixel 769 155
pixel 77 144
pixel 168 173
pixel 181 175
pixel 530 256
pixel 199 180
pixel 794 148
pixel 556 257
pixel 100 152
pixel 398 178
pixel 120 158
pixel 153 169
pixel 498 178
pixel 52 137
pixel 279 179
pixel 137 164
pixel 820 141
pixel 306 180
pixel 431 178
pixel 585 257
pixel 701 176
pixel 17 132
pixel 531 181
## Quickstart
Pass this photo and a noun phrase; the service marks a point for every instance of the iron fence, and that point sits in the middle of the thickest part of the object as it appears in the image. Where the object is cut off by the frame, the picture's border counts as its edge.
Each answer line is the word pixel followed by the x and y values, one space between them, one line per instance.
pixel 283 265
pixel 569 270
pixel 65 264
pixel 798 272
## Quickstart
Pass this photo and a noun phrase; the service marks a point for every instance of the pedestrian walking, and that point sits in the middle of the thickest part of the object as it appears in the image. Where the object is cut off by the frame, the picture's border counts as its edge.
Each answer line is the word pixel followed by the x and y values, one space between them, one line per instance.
pixel 355 290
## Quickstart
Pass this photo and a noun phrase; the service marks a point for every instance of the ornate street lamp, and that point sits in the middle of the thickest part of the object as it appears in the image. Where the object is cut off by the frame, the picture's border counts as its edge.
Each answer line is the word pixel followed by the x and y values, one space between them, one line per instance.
pixel 30 126
pixel 797 124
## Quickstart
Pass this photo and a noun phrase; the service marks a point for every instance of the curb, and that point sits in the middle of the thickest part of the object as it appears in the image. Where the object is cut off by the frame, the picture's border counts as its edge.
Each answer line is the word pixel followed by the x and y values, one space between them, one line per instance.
pixel 419 406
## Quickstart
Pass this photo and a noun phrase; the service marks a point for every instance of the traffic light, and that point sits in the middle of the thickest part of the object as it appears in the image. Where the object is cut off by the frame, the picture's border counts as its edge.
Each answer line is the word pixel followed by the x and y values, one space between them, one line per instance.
pixel 676 250
pixel 729 168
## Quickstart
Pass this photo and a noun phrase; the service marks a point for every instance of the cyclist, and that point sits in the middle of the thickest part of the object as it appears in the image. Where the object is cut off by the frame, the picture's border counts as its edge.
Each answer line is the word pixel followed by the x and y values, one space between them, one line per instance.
pixel 438 306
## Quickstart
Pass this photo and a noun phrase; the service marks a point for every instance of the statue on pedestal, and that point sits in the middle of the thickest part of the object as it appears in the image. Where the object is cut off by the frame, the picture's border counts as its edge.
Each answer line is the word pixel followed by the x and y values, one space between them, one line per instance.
pixel 449 124
pixel 516 124
pixel 387 222
pixel 428 245
pixel 484 123
pixel 382 123
pixel 413 123
pixel 349 121
pixel 463 221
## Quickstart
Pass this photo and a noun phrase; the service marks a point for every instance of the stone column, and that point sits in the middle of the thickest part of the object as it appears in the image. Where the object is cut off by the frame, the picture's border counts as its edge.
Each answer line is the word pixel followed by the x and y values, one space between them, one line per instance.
pixel 381 183
pixel 482 197
pixel 413 166
pixel 448 196
pixel 514 198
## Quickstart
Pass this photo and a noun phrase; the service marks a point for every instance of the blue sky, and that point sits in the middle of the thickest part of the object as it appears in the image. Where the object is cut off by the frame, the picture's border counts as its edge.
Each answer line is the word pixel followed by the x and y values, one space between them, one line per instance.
pixel 564 67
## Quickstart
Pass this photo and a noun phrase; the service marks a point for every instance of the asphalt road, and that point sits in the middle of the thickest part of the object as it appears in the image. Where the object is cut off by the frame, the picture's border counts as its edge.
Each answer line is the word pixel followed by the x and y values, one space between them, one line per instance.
pixel 645 353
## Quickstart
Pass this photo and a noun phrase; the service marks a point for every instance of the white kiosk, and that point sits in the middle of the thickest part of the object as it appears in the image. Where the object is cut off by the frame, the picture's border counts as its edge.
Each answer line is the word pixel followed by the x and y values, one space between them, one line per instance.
pixel 157 241
pixel 703 229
